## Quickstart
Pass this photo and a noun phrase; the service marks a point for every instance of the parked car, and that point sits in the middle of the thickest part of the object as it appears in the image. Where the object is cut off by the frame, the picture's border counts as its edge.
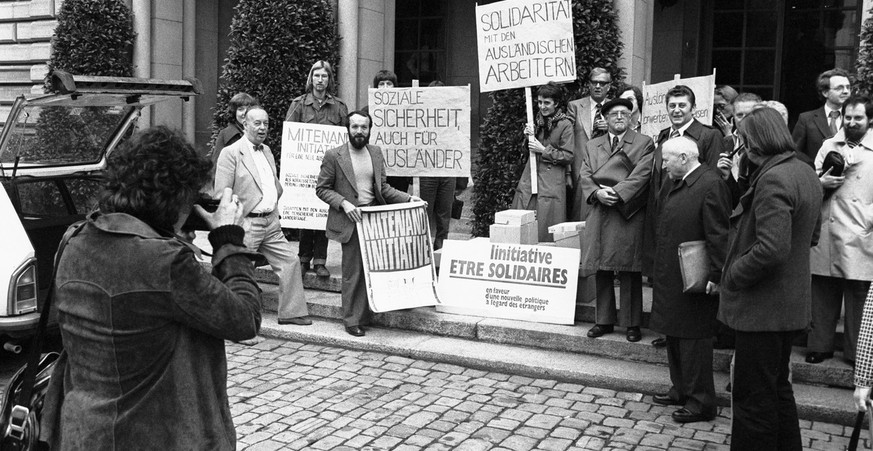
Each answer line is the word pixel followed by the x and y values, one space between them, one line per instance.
pixel 52 151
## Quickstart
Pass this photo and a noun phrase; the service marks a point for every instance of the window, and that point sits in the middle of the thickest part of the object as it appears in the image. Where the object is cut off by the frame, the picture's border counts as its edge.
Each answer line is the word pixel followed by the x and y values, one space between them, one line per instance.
pixel 420 42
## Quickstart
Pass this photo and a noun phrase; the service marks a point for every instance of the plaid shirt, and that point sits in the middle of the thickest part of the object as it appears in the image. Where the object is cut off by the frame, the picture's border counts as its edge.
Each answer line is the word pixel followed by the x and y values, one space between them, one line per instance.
pixel 864 351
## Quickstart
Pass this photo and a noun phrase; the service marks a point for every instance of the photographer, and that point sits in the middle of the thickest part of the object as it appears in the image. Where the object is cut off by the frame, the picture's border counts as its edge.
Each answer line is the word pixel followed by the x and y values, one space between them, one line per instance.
pixel 143 325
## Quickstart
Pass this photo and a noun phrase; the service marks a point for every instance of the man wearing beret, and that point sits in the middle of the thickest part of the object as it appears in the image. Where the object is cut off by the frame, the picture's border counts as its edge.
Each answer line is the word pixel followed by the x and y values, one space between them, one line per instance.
pixel 612 179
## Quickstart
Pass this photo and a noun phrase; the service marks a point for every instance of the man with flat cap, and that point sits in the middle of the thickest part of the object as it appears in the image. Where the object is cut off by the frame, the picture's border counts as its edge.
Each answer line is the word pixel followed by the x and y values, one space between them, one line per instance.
pixel 613 180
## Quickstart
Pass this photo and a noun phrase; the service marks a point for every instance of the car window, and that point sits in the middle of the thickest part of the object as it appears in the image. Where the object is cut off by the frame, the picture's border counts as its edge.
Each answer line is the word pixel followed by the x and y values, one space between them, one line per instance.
pixel 45 198
pixel 59 135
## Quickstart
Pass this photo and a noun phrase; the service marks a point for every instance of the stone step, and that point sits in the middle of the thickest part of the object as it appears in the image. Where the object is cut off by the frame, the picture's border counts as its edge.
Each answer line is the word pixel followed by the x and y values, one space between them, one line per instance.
pixel 327 304
pixel 814 403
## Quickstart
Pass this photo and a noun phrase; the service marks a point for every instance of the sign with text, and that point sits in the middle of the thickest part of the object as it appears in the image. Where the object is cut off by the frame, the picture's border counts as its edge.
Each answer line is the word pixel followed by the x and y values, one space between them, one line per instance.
pixel 423 132
pixel 398 257
pixel 303 148
pixel 511 281
pixel 655 116
pixel 525 43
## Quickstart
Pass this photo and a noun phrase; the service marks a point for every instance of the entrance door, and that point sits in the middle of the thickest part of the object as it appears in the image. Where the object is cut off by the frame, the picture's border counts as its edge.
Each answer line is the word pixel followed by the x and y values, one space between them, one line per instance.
pixel 777 48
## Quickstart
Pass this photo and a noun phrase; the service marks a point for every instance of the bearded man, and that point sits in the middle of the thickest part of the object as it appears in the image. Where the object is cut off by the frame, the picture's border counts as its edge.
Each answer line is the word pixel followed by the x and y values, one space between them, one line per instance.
pixel 353 176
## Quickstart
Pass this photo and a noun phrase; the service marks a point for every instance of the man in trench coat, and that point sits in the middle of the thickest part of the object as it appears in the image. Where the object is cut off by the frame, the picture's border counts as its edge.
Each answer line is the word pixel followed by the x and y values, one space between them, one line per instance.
pixel 612 242
pixel 695 205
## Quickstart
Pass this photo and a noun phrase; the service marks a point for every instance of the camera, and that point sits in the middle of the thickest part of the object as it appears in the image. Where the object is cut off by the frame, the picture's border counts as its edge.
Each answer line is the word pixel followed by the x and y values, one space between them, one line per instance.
pixel 194 221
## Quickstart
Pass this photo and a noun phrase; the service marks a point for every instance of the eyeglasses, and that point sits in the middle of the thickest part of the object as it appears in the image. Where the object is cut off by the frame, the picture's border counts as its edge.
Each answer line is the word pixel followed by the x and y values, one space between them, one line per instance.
pixel 616 114
pixel 599 83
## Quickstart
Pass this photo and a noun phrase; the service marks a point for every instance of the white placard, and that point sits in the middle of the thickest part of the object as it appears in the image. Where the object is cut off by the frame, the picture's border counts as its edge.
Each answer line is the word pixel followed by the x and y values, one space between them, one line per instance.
pixel 398 256
pixel 525 43
pixel 303 148
pixel 423 132
pixel 512 281
pixel 655 116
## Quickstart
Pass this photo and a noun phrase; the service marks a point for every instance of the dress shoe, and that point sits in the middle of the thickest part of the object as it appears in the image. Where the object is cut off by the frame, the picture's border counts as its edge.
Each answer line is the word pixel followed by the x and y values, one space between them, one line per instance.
pixel 684 415
pixel 299 321
pixel 659 342
pixel 321 271
pixel 666 400
pixel 599 330
pixel 357 331
pixel 634 335
pixel 818 357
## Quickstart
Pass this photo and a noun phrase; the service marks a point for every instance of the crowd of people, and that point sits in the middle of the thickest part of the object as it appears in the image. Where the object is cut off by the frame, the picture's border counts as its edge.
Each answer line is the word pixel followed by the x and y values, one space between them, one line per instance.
pixel 783 217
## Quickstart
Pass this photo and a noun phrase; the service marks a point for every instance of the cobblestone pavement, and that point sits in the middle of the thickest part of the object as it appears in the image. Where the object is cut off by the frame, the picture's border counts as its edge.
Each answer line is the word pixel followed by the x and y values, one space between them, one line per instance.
pixel 287 395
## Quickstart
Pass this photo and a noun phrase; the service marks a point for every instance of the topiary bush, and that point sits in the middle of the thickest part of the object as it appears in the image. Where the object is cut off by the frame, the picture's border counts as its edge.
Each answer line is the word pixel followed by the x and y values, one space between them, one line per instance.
pixel 502 147
pixel 864 64
pixel 273 43
pixel 93 37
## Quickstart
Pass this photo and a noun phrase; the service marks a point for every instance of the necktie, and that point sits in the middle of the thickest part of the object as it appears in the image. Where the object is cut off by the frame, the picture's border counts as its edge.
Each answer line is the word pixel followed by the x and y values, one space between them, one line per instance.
pixel 851 144
pixel 614 143
pixel 674 134
pixel 834 115
pixel 597 117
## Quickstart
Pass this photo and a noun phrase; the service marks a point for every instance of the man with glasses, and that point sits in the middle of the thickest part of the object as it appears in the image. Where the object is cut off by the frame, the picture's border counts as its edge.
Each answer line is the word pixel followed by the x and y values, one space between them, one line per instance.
pixel 613 238
pixel 813 127
pixel 590 123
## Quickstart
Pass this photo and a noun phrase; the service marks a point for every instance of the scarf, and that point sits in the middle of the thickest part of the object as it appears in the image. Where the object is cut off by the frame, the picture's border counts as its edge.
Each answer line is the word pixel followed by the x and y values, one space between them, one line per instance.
pixel 546 124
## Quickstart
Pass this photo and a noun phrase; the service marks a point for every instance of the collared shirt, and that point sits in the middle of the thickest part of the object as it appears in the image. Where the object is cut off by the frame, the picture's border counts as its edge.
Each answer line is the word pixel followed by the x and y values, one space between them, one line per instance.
pixel 620 137
pixel 306 108
pixel 593 116
pixel 828 116
pixel 362 164
pixel 683 128
pixel 265 180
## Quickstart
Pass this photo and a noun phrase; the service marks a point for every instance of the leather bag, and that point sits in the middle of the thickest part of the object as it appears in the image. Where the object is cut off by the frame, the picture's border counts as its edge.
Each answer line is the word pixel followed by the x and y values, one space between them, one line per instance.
pixel 616 169
pixel 24 400
pixel 694 265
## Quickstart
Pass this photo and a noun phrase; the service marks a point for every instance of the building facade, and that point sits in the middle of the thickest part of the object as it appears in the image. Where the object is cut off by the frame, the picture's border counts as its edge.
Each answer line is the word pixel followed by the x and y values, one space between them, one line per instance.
pixel 772 47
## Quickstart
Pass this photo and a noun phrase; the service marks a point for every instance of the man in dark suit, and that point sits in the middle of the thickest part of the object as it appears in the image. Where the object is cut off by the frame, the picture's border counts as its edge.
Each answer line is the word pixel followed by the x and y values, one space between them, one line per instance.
pixel 680 109
pixel 589 123
pixel 353 176
pixel 612 242
pixel 248 168
pixel 766 284
pixel 813 127
pixel 694 206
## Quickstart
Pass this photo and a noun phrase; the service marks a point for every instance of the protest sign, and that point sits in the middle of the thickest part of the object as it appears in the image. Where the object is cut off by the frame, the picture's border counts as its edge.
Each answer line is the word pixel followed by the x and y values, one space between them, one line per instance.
pixel 398 257
pixel 512 281
pixel 423 132
pixel 303 148
pixel 655 117
pixel 525 43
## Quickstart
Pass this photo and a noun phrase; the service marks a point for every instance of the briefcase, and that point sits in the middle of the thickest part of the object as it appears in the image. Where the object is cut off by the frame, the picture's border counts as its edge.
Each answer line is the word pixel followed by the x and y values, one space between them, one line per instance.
pixel 694 266
pixel 616 169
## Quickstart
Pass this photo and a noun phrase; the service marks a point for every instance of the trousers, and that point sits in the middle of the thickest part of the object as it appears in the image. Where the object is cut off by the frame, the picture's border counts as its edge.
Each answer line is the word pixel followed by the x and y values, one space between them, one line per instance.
pixel 264 235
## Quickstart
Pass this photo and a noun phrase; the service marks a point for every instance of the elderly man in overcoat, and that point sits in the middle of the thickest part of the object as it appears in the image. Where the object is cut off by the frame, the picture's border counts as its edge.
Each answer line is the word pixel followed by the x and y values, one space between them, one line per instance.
pixel 613 243
pixel 694 207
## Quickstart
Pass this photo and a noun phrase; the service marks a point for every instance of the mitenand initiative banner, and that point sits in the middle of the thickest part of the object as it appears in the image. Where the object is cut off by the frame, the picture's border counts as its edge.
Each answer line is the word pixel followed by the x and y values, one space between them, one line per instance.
pixel 398 257
pixel 303 148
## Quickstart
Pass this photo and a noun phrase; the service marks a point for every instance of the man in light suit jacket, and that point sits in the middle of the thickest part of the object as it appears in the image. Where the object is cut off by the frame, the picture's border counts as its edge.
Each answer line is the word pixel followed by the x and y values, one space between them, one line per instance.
pixel 248 168
pixel 813 127
pixel 589 124
pixel 353 176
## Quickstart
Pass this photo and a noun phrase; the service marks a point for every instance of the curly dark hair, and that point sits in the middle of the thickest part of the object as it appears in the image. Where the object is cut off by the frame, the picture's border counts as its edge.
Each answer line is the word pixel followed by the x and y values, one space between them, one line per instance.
pixel 154 176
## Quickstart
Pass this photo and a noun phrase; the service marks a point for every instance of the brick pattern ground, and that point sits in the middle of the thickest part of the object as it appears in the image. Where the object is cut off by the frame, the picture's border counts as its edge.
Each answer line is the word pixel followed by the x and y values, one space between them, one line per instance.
pixel 287 395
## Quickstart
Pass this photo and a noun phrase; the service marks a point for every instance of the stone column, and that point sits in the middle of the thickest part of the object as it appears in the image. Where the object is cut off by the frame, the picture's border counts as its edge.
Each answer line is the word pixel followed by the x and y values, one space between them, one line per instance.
pixel 347 73
pixel 635 19
pixel 142 49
